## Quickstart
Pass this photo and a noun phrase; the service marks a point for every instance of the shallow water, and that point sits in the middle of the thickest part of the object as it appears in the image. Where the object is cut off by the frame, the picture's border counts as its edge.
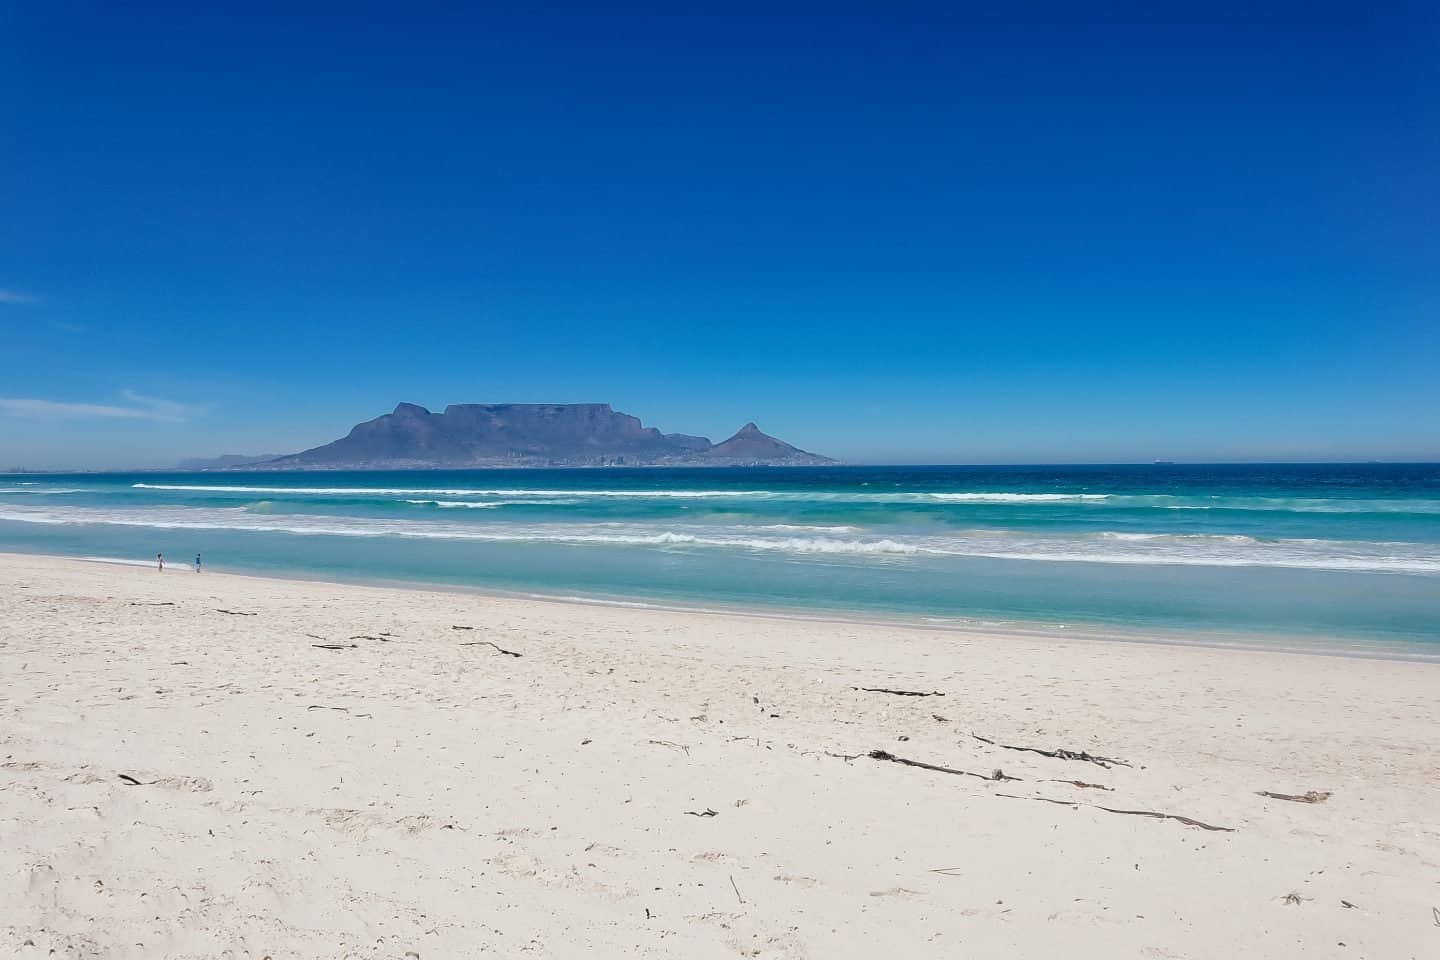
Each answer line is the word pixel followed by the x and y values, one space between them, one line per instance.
pixel 1339 551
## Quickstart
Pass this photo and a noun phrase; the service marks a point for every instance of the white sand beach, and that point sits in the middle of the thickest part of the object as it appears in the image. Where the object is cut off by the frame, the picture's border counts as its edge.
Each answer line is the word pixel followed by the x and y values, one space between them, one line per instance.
pixel 224 766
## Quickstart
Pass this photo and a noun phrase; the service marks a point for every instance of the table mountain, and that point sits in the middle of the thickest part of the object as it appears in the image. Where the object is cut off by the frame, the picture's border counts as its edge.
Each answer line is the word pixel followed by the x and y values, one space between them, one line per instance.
pixel 532 435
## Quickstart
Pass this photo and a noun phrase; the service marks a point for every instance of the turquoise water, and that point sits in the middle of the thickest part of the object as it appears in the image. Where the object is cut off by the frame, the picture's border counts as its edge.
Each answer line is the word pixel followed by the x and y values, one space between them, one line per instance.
pixel 1349 552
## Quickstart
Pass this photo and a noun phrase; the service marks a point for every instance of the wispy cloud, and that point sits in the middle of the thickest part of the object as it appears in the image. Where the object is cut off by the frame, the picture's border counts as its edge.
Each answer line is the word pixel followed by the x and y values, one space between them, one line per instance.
pixel 137 406
pixel 16 297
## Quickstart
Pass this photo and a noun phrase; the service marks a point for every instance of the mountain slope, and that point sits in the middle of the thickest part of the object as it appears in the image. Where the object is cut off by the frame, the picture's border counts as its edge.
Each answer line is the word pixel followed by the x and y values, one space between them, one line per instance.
pixel 751 446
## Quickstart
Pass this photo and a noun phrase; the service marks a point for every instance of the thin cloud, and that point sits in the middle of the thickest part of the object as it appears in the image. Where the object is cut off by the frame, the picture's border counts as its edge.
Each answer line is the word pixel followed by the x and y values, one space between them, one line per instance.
pixel 137 407
pixel 16 297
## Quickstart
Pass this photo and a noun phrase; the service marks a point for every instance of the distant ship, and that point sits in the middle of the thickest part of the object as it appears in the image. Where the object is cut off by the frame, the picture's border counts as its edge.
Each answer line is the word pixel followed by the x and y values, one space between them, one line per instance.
pixel 1164 463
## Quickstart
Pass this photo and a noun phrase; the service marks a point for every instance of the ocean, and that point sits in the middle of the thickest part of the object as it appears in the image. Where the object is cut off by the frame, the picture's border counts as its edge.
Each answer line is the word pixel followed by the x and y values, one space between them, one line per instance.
pixel 1325 554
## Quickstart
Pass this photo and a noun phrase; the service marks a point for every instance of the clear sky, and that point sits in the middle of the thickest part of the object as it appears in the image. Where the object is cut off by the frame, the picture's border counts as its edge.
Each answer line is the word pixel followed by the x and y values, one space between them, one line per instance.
pixel 891 234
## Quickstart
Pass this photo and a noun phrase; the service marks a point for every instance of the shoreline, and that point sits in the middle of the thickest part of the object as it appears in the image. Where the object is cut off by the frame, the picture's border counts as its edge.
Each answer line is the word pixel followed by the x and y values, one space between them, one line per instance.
pixel 1299 644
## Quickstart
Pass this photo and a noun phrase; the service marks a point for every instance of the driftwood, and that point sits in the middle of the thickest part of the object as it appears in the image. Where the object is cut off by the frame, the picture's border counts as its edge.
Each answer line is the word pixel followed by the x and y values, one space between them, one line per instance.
pixel 235 613
pixel 334 646
pixel 1188 821
pixel 462 628
pixel 900 693
pixel 363 636
pixel 131 780
pixel 1309 796
pixel 155 603
pixel 487 643
pixel 995 777
pixel 318 706
pixel 1082 784
pixel 707 812
pixel 736 889
pixel 1058 754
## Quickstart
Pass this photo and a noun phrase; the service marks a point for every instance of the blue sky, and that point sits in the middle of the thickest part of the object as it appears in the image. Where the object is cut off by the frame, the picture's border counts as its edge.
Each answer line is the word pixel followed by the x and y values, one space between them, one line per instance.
pixel 891 235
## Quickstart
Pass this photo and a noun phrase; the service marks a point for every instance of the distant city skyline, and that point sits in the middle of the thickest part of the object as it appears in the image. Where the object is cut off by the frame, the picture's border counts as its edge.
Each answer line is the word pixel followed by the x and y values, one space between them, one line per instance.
pixel 895 236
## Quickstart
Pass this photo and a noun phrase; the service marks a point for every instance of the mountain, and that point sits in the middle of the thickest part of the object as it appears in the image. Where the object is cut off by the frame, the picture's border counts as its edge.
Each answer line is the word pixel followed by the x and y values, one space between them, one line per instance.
pixel 532 435
pixel 750 446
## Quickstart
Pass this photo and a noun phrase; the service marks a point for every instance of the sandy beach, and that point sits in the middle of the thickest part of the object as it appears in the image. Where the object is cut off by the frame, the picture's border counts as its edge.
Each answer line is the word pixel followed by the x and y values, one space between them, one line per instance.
pixel 218 765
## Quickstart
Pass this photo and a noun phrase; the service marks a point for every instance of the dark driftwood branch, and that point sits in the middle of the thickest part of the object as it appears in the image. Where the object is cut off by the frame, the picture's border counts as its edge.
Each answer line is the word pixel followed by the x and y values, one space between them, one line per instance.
pixel 334 646
pixel 487 643
pixel 900 693
pixel 1083 784
pixel 1188 821
pixel 1309 796
pixel 235 613
pixel 994 777
pixel 462 628
pixel 132 781
pixel 707 812
pixel 364 636
pixel 1058 754
pixel 157 603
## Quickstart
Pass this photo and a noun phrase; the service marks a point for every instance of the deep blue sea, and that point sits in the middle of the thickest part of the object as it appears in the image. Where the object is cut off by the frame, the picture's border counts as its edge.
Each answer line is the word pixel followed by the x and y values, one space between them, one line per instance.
pixel 1332 552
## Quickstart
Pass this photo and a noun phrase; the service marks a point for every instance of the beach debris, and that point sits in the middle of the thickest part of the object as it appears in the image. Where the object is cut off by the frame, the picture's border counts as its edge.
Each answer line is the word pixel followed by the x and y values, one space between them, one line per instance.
pixel 1309 796
pixel 461 628
pixel 1349 906
pixel 318 706
pixel 334 646
pixel 361 636
pixel 847 757
pixel 670 743
pixel 736 889
pixel 1188 821
pixel 1293 899
pixel 707 812
pixel 126 778
pixel 996 776
pixel 1083 785
pixel 898 693
pixel 1058 754
pixel 947 871
pixel 939 719
pixel 487 643
pixel 1436 912
pixel 153 603
pixel 235 613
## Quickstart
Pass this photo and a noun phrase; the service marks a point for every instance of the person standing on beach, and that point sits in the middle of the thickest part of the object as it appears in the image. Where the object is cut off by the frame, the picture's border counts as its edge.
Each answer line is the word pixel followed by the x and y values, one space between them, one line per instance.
pixel 160 562
pixel 197 563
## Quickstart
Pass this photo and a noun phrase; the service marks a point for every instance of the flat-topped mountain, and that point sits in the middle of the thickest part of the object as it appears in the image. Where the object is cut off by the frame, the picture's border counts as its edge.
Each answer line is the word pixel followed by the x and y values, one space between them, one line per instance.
pixel 533 435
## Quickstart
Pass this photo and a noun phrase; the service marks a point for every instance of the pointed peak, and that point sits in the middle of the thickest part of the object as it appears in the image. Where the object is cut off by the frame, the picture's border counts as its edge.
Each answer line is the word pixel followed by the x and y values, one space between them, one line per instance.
pixel 749 430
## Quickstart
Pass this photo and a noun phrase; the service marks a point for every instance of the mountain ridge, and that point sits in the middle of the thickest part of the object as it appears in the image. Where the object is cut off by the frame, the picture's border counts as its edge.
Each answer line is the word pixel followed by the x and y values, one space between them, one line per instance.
pixel 531 435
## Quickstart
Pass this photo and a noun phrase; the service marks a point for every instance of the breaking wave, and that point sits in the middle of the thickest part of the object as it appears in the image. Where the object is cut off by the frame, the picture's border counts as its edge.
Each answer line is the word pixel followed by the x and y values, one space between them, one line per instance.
pixel 1091 547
